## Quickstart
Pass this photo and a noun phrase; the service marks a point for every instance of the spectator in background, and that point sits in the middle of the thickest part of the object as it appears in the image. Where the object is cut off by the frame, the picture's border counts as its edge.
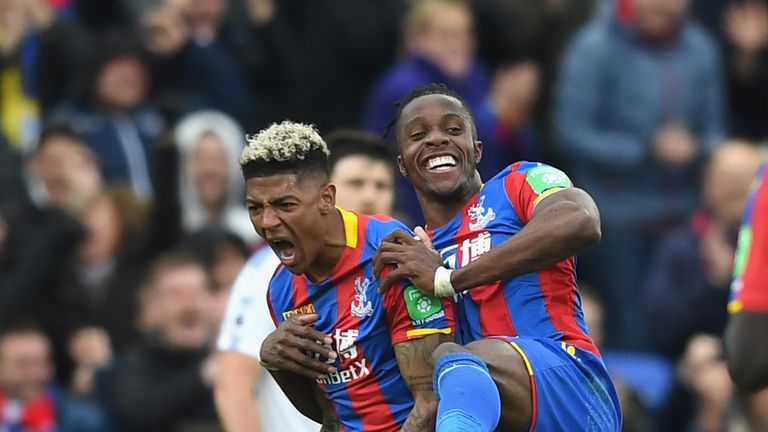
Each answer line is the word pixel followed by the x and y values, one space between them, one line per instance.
pixel 29 399
pixel 688 280
pixel 37 268
pixel 211 188
pixel 199 55
pixel 41 56
pixel 639 107
pixel 164 383
pixel 540 30
pixel 507 117
pixel 247 398
pixel 440 45
pixel 115 118
pixel 746 29
pixel 363 170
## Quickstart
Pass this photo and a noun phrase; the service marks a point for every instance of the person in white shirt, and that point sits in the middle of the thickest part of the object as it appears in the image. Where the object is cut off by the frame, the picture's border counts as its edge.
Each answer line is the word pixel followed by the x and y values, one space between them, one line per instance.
pixel 247 399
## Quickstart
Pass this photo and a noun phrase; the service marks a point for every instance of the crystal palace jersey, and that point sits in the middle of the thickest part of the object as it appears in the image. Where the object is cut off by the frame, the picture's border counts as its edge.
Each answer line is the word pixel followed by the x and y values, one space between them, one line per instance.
pixel 367 390
pixel 545 304
pixel 749 290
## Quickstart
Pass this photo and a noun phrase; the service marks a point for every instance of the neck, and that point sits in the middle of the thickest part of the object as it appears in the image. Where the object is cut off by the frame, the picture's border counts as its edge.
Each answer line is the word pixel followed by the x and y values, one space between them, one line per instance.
pixel 215 210
pixel 438 211
pixel 334 243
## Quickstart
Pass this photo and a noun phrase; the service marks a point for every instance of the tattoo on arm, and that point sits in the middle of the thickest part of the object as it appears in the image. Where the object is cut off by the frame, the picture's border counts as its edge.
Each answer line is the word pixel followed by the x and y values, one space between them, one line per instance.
pixel 331 422
pixel 413 359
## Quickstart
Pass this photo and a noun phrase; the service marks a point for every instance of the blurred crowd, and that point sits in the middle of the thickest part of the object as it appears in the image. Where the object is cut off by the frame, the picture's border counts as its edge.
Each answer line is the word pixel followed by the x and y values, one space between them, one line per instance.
pixel 122 217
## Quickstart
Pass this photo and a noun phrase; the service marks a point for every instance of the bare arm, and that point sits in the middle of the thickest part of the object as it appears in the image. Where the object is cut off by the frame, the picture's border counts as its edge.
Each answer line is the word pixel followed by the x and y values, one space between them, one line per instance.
pixel 331 422
pixel 746 346
pixel 563 224
pixel 233 392
pixel 297 389
pixel 413 359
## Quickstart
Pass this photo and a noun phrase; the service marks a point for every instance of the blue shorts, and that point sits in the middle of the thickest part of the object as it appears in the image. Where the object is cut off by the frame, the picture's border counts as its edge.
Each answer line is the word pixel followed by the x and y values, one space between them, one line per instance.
pixel 571 387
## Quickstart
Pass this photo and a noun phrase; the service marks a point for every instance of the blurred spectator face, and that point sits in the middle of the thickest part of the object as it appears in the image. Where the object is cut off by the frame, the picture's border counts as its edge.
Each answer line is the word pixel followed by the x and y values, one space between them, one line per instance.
pixel 102 223
pixel 25 364
pixel 123 83
pixel 442 32
pixel 364 185
pixel 206 16
pixel 179 305
pixel 210 170
pixel 659 17
pixel 727 180
pixel 515 89
pixel 65 167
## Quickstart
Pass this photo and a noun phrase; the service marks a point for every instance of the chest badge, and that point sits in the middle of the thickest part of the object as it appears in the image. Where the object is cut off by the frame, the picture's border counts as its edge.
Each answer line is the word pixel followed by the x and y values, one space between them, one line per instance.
pixel 361 307
pixel 479 217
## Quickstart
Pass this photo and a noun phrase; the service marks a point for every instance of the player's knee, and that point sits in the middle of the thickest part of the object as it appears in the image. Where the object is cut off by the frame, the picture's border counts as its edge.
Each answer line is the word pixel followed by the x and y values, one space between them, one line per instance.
pixel 446 348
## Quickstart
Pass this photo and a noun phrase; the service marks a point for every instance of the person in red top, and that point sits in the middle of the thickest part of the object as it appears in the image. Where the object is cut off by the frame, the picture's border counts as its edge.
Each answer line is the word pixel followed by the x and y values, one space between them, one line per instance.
pixel 746 338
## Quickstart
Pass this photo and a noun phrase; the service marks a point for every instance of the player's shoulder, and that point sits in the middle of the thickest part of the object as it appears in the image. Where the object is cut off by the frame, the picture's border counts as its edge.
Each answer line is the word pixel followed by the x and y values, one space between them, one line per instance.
pixel 379 227
pixel 538 175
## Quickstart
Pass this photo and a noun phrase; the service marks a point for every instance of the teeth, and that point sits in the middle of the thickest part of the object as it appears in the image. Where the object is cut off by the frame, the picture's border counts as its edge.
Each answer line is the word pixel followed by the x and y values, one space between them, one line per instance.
pixel 441 160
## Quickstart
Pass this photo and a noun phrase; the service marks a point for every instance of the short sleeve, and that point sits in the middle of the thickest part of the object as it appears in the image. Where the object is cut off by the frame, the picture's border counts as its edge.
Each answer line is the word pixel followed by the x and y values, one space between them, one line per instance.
pixel 247 320
pixel 749 290
pixel 411 314
pixel 527 183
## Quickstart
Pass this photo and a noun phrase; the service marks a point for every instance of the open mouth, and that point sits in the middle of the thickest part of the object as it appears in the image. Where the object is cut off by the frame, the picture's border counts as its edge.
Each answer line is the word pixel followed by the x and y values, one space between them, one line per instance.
pixel 440 163
pixel 285 250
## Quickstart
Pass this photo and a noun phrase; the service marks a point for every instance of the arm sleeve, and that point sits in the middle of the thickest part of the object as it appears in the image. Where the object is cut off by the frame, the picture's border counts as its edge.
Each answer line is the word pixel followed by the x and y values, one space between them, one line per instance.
pixel 527 183
pixel 411 314
pixel 249 318
pixel 578 131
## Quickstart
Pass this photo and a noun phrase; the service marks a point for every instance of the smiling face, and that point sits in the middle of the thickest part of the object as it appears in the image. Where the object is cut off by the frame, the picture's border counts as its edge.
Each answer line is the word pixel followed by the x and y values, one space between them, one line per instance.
pixel 288 211
pixel 438 152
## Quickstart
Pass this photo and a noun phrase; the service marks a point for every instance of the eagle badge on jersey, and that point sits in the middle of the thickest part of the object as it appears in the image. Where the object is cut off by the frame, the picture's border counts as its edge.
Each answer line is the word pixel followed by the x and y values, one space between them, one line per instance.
pixel 479 217
pixel 361 307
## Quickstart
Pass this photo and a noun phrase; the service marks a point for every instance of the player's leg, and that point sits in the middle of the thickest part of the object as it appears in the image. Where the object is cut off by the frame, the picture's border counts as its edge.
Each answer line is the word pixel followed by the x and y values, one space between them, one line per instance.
pixel 474 381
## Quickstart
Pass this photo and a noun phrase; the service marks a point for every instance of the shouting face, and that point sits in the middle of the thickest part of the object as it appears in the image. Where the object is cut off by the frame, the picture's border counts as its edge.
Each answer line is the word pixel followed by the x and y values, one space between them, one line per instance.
pixel 287 211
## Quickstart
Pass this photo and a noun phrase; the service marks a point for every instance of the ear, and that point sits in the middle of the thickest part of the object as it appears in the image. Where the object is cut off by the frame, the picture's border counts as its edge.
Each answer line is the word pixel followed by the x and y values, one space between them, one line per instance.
pixel 328 199
pixel 401 166
pixel 478 151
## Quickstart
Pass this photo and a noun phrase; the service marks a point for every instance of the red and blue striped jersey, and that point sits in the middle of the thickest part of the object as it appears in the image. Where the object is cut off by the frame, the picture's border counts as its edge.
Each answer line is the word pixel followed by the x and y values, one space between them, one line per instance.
pixel 749 290
pixel 543 304
pixel 367 391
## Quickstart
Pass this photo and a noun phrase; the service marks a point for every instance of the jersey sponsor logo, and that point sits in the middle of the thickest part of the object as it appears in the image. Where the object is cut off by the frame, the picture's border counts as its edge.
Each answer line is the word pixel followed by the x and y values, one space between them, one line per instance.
pixel 301 310
pixel 355 371
pixel 345 344
pixel 479 217
pixel 471 249
pixel 422 308
pixel 361 307
pixel 545 177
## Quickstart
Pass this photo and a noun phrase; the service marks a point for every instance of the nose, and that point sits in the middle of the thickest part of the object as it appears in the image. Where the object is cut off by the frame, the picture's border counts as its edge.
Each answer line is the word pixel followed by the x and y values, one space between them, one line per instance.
pixel 270 219
pixel 436 137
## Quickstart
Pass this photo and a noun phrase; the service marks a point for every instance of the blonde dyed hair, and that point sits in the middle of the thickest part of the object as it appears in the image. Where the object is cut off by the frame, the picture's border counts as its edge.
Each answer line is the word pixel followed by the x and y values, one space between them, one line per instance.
pixel 283 142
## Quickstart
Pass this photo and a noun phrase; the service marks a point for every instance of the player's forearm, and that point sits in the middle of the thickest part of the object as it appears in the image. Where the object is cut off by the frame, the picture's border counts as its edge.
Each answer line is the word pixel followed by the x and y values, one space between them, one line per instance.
pixel 295 388
pixel 557 232
pixel 233 393
pixel 422 416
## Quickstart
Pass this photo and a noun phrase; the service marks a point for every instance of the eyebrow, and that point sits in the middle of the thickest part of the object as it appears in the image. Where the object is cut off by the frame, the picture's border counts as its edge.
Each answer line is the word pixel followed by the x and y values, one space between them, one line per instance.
pixel 445 116
pixel 277 200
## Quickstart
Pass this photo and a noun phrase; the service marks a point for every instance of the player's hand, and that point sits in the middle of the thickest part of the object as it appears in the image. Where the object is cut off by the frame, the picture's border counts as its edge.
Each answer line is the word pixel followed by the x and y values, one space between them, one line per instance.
pixel 415 260
pixel 292 345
